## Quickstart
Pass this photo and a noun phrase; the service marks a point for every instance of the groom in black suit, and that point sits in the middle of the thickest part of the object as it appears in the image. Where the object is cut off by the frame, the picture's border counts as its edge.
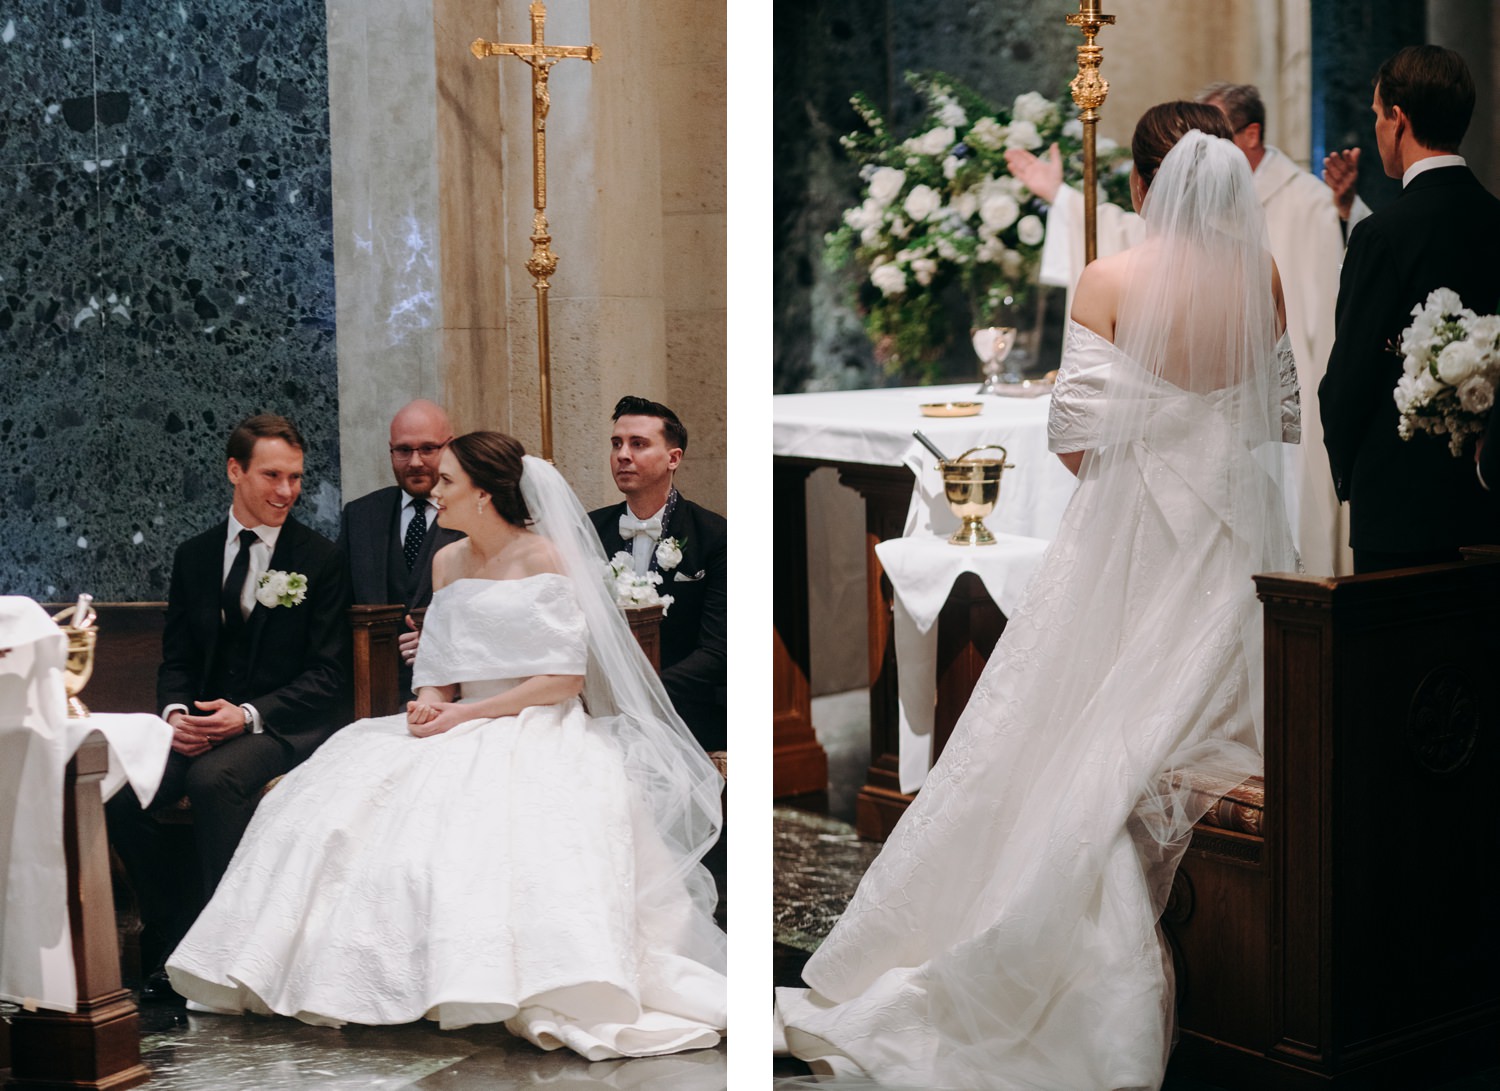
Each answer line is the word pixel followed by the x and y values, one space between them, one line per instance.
pixel 391 534
pixel 646 448
pixel 1410 501
pixel 251 685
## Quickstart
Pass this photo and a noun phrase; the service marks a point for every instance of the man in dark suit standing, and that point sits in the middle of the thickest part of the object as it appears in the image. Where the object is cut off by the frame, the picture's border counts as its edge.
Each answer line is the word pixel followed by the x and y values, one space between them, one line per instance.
pixel 390 535
pixel 1410 501
pixel 251 681
pixel 646 448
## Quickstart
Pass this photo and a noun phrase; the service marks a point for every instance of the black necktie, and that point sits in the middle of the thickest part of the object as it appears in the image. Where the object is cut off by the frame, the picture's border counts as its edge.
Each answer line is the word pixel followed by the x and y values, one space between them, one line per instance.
pixel 416 530
pixel 234 583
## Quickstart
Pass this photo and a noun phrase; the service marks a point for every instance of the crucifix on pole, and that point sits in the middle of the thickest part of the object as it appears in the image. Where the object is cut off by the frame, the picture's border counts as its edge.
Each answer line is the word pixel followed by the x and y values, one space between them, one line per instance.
pixel 543 262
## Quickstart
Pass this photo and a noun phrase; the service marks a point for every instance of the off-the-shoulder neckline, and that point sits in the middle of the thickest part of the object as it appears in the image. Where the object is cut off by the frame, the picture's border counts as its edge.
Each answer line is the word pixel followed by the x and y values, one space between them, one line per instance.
pixel 513 579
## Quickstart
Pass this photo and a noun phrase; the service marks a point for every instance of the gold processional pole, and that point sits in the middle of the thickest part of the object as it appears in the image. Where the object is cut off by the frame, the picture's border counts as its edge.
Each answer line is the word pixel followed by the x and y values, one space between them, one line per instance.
pixel 1089 89
pixel 543 262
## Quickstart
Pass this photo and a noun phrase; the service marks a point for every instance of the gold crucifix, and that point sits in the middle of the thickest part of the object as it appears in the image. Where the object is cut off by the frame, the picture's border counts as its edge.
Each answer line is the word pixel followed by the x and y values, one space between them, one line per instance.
pixel 543 262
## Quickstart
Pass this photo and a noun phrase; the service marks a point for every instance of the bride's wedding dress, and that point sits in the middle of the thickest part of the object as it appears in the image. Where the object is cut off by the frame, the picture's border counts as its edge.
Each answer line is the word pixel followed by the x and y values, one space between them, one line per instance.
pixel 505 870
pixel 1006 937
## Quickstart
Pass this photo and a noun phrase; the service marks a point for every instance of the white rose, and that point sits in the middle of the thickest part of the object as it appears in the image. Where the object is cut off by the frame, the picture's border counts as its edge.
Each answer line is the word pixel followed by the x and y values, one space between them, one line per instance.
pixel 266 593
pixel 1073 129
pixel 870 235
pixel 998 211
pixel 900 228
pixel 1476 394
pixel 950 167
pixel 924 269
pixel 922 202
pixel 1030 230
pixel 951 113
pixel 1023 134
pixel 889 279
pixel 864 216
pixel 965 205
pixel 986 133
pixel 1484 329
pixel 1032 108
pixel 1012 264
pixel 932 142
pixel 885 185
pixel 990 250
pixel 668 554
pixel 1442 301
pixel 1458 361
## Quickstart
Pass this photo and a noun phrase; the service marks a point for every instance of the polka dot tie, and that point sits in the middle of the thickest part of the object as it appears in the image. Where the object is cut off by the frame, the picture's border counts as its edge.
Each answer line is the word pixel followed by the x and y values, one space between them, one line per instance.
pixel 415 532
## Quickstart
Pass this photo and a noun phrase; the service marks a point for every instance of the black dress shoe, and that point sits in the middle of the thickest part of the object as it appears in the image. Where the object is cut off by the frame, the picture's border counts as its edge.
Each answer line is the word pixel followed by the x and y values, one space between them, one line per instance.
pixel 157 989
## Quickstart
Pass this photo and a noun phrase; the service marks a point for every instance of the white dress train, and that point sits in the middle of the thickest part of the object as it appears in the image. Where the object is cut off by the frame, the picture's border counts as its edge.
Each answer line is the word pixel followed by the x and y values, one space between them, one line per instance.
pixel 490 873
pixel 1006 937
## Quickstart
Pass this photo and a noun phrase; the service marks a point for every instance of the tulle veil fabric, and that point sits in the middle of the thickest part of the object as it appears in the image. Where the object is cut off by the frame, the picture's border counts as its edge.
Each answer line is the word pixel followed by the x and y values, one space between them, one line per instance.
pixel 672 772
pixel 1006 937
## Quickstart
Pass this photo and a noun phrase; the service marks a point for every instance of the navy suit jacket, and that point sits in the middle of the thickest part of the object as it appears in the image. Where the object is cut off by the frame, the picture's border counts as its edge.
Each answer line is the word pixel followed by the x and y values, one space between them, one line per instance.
pixel 369 534
pixel 1406 496
pixel 694 634
pixel 300 658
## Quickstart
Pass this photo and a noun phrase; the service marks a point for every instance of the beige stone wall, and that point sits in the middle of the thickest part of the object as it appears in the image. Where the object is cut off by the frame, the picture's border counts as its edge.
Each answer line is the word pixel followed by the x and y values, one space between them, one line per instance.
pixel 1171 49
pixel 437 146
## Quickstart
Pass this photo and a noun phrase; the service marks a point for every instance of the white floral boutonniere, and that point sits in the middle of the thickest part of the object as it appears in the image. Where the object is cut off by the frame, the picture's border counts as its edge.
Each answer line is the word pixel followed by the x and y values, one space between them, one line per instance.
pixel 281 589
pixel 630 589
pixel 668 554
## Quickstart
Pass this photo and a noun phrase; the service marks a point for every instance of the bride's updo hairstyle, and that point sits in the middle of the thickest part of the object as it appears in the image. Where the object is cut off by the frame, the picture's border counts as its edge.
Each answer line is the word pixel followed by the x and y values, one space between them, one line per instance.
pixel 1162 126
pixel 493 462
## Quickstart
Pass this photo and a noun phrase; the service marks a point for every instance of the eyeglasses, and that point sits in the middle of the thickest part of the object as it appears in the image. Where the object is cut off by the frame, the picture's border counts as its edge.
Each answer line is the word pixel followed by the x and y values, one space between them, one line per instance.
pixel 427 451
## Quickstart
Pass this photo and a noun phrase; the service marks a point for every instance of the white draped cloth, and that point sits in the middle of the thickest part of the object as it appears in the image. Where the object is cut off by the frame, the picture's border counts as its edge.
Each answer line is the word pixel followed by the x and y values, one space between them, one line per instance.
pixel 505 870
pixel 1307 242
pixel 922 571
pixel 36 742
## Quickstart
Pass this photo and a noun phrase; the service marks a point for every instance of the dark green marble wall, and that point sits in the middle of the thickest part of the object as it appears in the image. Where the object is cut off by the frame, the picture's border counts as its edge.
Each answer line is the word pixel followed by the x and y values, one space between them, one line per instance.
pixel 166 268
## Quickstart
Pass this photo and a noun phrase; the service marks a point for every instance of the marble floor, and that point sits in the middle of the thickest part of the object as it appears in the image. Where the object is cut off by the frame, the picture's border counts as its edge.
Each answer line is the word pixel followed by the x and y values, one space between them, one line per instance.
pixel 187 1052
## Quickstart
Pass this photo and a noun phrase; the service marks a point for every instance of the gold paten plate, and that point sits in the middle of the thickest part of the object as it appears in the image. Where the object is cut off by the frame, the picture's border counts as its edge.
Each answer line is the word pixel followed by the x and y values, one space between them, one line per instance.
pixel 952 409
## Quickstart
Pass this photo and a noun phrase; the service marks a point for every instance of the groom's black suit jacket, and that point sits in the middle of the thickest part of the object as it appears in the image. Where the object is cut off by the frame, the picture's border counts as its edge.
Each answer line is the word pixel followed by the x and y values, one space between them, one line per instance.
pixel 298 658
pixel 1406 496
pixel 694 659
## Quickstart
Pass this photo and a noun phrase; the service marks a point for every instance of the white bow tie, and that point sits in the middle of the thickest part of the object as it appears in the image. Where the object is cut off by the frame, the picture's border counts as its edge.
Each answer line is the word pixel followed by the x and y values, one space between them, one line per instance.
pixel 630 526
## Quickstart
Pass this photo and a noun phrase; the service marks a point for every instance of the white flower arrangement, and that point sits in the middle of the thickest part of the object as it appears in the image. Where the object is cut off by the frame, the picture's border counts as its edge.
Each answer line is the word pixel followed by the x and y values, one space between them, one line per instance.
pixel 940 212
pixel 630 589
pixel 281 589
pixel 1450 368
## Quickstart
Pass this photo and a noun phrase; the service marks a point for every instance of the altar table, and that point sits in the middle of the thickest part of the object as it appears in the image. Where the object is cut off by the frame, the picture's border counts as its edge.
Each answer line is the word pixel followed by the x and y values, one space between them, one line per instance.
pixel 866 436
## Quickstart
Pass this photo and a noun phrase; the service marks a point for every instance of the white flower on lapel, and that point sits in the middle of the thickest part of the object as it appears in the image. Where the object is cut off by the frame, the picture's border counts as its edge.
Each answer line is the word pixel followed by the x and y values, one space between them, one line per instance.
pixel 281 589
pixel 668 554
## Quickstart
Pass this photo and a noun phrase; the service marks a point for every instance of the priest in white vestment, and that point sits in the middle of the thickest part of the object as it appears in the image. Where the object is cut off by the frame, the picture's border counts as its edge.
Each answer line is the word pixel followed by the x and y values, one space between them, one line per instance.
pixel 1307 237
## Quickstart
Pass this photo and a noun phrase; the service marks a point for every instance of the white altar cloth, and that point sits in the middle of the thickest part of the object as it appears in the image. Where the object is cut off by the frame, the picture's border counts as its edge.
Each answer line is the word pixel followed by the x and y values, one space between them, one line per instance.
pixel 922 571
pixel 36 742
pixel 874 427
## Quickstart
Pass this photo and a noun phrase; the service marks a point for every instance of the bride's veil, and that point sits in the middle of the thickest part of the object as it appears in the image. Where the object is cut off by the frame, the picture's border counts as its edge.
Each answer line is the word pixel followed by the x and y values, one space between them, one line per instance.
pixel 677 783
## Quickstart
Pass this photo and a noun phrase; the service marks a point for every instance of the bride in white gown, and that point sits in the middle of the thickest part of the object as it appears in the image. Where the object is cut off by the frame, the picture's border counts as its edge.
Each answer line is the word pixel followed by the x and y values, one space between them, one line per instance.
pixel 1006 937
pixel 522 845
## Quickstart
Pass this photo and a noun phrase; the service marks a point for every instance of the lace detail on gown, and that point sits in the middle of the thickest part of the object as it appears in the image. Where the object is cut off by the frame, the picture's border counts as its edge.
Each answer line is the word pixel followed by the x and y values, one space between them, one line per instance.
pixel 488 873
pixel 1006 936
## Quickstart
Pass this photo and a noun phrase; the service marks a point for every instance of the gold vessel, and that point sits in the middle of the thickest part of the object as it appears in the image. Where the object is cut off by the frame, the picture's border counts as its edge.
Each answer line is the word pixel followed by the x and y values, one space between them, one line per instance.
pixel 972 487
pixel 82 640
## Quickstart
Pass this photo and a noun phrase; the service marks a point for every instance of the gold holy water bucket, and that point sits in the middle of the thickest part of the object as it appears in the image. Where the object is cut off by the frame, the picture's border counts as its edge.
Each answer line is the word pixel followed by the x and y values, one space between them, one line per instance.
pixel 79 667
pixel 972 486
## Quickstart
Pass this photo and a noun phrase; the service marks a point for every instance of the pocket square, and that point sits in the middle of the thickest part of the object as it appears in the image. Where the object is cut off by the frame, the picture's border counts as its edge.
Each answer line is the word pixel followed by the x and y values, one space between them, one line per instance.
pixel 683 577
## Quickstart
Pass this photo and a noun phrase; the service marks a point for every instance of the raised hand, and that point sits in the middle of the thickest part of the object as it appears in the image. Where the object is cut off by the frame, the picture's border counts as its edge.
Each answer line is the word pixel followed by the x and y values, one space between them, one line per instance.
pixel 1341 171
pixel 1043 176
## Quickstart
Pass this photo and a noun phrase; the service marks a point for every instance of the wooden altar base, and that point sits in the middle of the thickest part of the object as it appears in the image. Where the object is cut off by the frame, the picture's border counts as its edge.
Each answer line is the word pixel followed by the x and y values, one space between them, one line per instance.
pixel 98 1047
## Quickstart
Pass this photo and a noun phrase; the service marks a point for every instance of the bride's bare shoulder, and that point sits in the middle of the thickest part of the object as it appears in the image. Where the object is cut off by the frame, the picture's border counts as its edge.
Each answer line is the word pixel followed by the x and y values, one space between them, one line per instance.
pixel 1096 300
pixel 536 555
pixel 448 563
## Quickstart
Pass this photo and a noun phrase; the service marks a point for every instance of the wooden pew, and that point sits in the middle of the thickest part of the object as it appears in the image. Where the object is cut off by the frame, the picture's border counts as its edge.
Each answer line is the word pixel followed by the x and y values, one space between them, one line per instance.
pixel 1332 926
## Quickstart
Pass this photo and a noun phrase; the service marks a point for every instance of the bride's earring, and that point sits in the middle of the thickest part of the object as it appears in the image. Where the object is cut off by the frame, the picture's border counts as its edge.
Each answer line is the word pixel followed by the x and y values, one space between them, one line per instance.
pixel 478 505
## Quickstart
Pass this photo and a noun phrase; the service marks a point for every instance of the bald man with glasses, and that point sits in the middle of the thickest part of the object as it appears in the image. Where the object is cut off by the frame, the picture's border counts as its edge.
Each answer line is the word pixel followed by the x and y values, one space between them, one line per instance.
pixel 391 534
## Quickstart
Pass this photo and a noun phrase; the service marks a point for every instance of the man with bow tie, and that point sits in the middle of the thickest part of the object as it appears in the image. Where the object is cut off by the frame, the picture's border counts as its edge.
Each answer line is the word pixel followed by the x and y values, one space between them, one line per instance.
pixel 391 534
pixel 687 544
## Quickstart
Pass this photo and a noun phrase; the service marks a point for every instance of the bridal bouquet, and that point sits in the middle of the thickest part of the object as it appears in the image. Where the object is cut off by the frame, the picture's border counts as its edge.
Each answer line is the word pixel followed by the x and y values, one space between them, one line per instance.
pixel 1452 363
pixel 941 209
pixel 630 589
